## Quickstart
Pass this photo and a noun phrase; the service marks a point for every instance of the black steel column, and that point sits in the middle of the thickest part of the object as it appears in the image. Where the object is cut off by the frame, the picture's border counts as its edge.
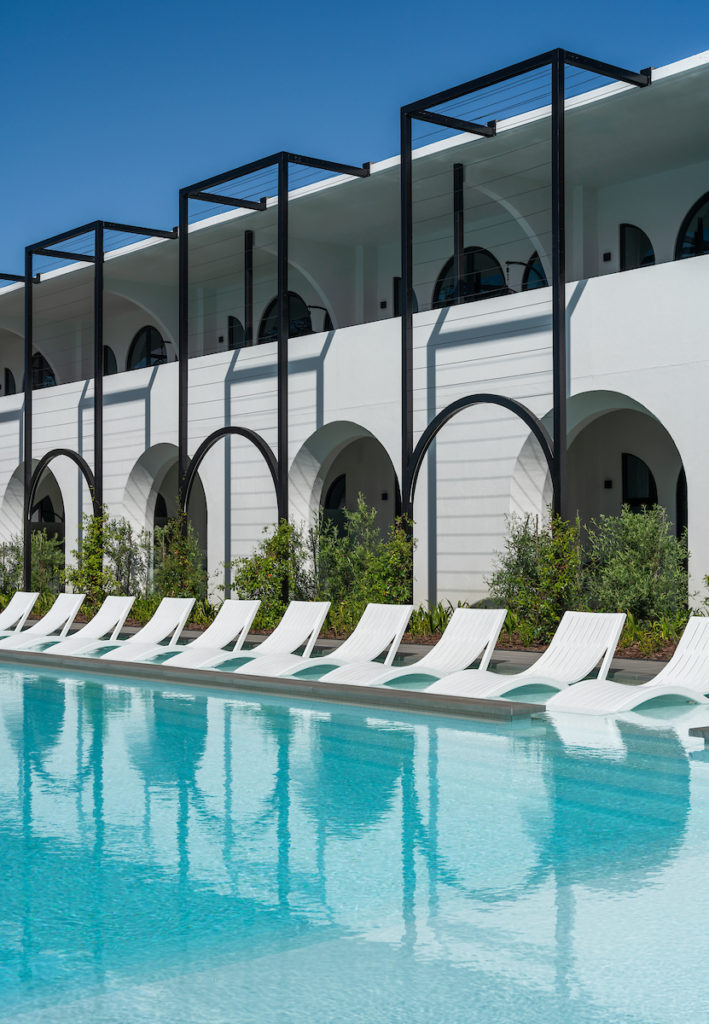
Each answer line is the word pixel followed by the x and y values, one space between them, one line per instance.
pixel 558 227
pixel 182 341
pixel 458 230
pixel 248 287
pixel 407 316
pixel 98 366
pixel 27 426
pixel 283 331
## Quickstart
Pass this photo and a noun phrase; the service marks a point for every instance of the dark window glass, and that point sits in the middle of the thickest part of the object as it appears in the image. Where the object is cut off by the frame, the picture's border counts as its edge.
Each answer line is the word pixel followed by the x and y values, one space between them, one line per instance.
pixel 635 248
pixel 109 361
pixel 334 504
pixel 482 277
pixel 534 276
pixel 42 373
pixel 10 388
pixel 236 336
pixel 639 488
pixel 399 298
pixel 681 519
pixel 147 349
pixel 299 319
pixel 160 518
pixel 693 237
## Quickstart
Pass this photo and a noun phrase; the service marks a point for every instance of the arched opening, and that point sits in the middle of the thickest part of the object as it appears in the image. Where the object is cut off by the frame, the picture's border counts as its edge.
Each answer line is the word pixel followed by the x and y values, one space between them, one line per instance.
pixel 148 348
pixel 482 277
pixel 620 454
pixel 10 386
pixel 693 236
pixel 236 336
pixel 361 467
pixel 300 321
pixel 337 463
pixel 47 511
pixel 636 249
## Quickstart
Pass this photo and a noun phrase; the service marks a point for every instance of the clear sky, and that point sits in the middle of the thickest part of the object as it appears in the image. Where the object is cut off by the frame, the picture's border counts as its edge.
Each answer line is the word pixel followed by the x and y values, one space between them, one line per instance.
pixel 110 107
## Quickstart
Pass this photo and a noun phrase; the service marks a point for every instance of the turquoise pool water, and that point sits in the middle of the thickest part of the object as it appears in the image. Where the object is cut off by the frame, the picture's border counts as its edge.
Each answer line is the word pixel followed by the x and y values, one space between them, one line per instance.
pixel 183 856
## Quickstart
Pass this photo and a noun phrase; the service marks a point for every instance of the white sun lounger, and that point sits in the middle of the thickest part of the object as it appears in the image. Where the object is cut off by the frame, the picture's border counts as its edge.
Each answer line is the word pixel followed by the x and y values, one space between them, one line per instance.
pixel 57 621
pixel 14 615
pixel 299 627
pixel 107 623
pixel 582 639
pixel 686 676
pixel 168 621
pixel 380 628
pixel 231 626
pixel 471 633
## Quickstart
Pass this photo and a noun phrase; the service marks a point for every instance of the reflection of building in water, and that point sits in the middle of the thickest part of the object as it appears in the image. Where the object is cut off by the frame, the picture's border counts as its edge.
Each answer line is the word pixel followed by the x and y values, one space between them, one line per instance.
pixel 477 853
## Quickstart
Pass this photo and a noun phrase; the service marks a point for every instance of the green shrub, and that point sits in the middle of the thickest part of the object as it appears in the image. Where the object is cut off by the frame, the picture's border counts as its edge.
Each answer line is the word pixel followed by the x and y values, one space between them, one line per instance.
pixel 47 563
pixel 129 555
pixel 274 573
pixel 637 565
pixel 90 574
pixel 538 576
pixel 358 565
pixel 179 570
pixel 11 565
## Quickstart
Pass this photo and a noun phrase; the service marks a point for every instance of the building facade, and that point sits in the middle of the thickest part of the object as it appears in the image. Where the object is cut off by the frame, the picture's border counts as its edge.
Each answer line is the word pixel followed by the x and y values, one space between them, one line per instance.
pixel 267 358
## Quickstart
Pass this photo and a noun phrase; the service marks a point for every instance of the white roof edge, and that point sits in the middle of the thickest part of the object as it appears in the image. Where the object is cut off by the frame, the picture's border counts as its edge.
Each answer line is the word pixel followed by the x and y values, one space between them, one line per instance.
pixel 678 67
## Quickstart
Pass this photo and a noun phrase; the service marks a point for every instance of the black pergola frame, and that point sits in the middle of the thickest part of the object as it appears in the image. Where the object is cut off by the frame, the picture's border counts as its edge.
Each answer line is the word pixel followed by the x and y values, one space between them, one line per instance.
pixel 202 190
pixel 94 478
pixel 554 448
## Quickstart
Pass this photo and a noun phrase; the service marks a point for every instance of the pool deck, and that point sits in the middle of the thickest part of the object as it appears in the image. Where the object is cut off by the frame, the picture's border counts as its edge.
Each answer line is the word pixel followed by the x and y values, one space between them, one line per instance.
pixel 382 697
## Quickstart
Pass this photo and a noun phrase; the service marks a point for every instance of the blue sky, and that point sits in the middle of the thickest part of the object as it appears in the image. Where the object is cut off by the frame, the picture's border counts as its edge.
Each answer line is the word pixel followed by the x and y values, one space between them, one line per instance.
pixel 110 107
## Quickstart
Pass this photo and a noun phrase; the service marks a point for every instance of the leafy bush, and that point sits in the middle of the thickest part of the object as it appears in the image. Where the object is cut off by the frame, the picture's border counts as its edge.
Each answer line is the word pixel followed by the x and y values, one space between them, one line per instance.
pixel 358 565
pixel 11 565
pixel 179 569
pixel 90 574
pixel 637 565
pixel 275 573
pixel 47 563
pixel 538 576
pixel 129 555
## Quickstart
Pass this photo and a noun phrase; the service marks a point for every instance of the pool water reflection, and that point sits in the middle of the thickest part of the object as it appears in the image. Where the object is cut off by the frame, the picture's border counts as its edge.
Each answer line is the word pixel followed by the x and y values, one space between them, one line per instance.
pixel 173 855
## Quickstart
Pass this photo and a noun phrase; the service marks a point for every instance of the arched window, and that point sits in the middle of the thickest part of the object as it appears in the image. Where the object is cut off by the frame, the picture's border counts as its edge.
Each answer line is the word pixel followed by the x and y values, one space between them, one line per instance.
pixel 399 298
pixel 10 387
pixel 236 336
pixel 635 248
pixel 146 349
pixel 693 237
pixel 110 365
pixel 482 277
pixel 639 487
pixel 682 518
pixel 299 321
pixel 533 275
pixel 42 373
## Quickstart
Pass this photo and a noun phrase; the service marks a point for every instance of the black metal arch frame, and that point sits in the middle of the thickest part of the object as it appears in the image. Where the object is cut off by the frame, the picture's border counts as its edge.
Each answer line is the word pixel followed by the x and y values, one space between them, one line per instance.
pixel 202 190
pixel 554 450
pixel 439 421
pixel 48 247
pixel 214 438
pixel 80 461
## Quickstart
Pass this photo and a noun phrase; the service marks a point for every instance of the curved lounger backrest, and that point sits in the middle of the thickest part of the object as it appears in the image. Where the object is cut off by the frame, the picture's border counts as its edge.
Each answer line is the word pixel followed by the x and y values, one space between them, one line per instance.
pixel 14 615
pixel 470 633
pixel 109 619
pixel 300 625
pixel 690 662
pixel 168 621
pixel 233 620
pixel 582 639
pixel 381 626
pixel 59 617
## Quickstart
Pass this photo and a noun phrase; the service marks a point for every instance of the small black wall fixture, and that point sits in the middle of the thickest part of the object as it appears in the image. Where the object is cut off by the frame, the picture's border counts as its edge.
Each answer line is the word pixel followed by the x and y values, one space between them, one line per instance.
pixel 203 190
pixel 48 247
pixel 554 448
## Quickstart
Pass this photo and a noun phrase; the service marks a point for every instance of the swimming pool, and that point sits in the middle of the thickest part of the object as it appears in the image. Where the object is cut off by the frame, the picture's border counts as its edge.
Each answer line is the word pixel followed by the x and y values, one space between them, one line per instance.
pixel 188 856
